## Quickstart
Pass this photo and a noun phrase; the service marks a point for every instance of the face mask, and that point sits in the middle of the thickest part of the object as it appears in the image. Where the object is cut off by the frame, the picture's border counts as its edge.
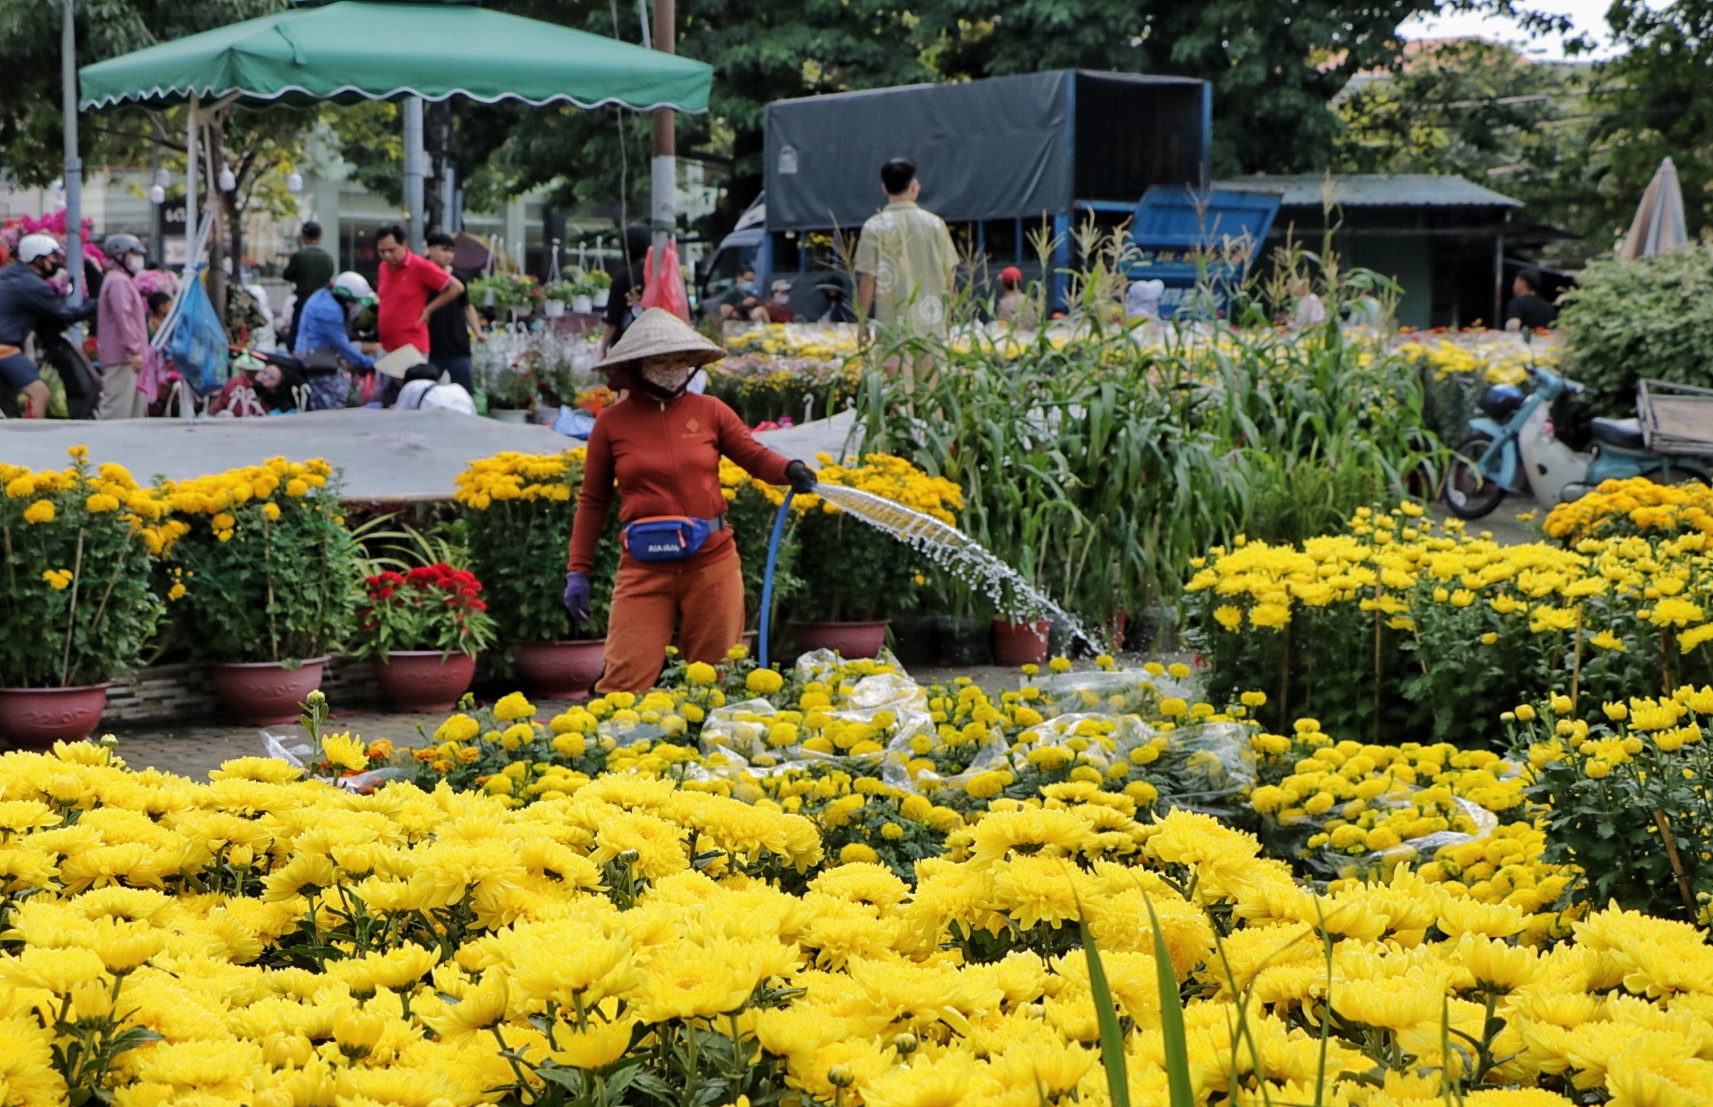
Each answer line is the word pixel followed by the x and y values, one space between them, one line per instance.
pixel 747 286
pixel 782 298
pixel 668 380
pixel 134 262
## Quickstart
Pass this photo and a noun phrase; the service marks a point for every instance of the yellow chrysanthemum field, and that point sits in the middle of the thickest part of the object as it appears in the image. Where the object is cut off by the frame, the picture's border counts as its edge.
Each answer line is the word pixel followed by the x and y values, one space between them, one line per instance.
pixel 827 885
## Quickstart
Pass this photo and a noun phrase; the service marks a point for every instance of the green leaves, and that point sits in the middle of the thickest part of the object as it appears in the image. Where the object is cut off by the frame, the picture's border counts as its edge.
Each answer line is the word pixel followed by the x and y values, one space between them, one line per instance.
pixel 1649 317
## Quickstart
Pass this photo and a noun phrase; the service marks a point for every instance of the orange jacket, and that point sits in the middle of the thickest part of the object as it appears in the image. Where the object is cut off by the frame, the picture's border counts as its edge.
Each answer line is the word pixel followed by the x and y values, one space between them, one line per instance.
pixel 666 459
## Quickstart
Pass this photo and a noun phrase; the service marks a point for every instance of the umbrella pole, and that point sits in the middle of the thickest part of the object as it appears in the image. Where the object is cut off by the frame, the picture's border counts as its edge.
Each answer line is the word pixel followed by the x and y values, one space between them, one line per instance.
pixel 190 224
pixel 663 169
pixel 73 163
pixel 413 159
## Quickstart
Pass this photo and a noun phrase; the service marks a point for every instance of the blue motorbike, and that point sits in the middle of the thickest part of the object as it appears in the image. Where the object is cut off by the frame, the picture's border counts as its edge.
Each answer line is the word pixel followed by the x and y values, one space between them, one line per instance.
pixel 1511 448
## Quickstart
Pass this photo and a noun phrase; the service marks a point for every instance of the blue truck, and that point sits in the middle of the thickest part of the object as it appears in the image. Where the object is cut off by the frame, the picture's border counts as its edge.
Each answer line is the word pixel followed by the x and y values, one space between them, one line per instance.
pixel 1002 160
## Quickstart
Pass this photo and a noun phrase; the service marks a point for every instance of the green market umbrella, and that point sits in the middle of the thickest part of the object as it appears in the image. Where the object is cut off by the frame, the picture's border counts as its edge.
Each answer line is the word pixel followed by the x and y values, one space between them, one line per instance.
pixel 367 50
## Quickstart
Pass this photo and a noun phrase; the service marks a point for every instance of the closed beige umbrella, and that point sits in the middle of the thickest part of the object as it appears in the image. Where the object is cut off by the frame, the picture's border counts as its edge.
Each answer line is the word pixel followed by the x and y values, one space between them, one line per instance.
pixel 1658 227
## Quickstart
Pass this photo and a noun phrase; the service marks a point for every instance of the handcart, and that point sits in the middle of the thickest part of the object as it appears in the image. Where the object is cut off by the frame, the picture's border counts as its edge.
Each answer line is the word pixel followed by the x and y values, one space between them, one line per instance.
pixel 1675 418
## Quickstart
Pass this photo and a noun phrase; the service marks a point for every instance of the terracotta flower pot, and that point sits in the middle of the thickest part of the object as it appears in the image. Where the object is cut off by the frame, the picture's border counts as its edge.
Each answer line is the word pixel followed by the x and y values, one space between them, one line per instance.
pixel 560 670
pixel 425 680
pixel 848 640
pixel 1020 643
pixel 36 718
pixel 266 693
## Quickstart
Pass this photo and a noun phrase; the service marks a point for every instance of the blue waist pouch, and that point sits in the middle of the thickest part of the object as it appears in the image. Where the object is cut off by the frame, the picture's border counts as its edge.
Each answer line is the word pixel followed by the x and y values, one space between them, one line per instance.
pixel 661 538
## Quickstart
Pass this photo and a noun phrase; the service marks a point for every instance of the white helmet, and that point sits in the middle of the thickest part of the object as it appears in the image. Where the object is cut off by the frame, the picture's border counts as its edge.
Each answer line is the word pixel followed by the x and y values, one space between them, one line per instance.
pixel 33 246
pixel 354 286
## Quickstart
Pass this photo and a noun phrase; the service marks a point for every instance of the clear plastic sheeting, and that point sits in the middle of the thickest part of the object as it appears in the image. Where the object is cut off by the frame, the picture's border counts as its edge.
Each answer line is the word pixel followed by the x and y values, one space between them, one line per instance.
pixel 1485 823
pixel 1208 767
pixel 1108 692
pixel 293 746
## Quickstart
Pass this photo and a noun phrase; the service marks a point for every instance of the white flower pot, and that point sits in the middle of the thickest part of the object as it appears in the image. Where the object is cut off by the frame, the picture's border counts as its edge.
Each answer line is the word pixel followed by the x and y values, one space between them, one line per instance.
pixel 582 305
pixel 555 308
pixel 600 298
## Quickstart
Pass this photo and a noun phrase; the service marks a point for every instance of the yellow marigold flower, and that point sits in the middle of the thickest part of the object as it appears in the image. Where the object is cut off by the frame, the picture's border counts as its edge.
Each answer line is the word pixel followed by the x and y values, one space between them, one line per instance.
pixel 856 853
pixel 513 706
pixel 700 673
pixel 457 728
pixel 764 682
pixel 42 511
pixel 58 579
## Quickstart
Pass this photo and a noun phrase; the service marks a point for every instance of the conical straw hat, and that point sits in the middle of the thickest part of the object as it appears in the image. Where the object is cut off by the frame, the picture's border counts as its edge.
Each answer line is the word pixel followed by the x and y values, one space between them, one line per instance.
pixel 656 332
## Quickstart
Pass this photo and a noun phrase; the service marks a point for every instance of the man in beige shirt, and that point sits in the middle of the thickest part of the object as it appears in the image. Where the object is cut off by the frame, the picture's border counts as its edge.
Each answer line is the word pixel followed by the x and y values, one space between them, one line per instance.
pixel 905 257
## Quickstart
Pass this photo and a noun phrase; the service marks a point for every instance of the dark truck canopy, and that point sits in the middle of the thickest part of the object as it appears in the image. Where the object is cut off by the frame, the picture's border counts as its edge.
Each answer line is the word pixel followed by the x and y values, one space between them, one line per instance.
pixel 1001 148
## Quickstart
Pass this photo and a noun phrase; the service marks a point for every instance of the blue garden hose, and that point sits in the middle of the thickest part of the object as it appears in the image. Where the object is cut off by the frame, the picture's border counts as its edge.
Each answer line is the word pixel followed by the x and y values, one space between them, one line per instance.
pixel 767 578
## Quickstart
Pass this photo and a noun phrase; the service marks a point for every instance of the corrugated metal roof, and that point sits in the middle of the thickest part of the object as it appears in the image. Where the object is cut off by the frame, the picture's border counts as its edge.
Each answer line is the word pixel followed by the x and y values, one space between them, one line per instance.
pixel 1374 190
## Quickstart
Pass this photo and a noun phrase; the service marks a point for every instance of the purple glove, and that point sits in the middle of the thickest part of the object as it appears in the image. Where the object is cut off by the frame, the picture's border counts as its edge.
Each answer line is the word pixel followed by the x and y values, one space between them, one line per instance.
pixel 577 596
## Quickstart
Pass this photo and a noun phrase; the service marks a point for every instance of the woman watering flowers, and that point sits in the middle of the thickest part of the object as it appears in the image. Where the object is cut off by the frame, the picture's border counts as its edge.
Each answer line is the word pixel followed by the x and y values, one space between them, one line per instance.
pixel 663 445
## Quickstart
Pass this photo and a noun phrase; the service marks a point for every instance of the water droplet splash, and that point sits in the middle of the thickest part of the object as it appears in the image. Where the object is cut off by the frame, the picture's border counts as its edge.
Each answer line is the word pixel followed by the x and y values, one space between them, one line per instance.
pixel 960 555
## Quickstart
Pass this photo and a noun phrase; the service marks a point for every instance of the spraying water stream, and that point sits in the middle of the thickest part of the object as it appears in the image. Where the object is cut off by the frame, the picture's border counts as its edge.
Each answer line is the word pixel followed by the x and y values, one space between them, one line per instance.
pixel 957 553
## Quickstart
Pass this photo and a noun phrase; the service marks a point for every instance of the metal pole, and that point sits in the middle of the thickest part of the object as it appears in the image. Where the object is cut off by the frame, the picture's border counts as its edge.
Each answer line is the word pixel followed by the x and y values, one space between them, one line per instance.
pixel 663 169
pixel 449 197
pixel 642 18
pixel 73 163
pixel 190 238
pixel 413 159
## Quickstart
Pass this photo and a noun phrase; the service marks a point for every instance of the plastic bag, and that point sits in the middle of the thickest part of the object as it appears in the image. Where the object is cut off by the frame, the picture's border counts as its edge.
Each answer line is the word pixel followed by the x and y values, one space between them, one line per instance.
pixel 663 281
pixel 1124 692
pixel 297 754
pixel 198 344
pixel 1205 768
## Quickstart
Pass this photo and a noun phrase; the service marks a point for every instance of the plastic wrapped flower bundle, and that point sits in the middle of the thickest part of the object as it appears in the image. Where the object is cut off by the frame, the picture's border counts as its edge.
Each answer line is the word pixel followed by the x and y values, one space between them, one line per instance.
pixel 1400 630
pixel 268 940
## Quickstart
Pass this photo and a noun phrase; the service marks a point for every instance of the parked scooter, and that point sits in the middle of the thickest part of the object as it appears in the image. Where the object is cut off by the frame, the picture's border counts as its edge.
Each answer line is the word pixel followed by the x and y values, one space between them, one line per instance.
pixel 1512 449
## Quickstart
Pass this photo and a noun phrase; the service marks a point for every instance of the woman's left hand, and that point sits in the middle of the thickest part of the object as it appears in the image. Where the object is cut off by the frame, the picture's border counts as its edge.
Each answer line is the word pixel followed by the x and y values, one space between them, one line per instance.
pixel 801 478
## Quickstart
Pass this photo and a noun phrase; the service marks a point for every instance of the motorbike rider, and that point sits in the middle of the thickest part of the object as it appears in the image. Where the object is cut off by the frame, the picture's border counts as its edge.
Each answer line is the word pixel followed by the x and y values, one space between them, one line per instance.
pixel 28 303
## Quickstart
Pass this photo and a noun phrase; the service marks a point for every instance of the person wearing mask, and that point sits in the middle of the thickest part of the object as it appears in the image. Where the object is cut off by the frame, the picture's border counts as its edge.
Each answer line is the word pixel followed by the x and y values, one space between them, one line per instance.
pixel 1528 310
pixel 450 326
pixel 779 308
pixel 412 290
pixel 662 446
pixel 28 303
pixel 307 271
pixel 624 299
pixel 905 257
pixel 323 330
pixel 122 330
pixel 739 304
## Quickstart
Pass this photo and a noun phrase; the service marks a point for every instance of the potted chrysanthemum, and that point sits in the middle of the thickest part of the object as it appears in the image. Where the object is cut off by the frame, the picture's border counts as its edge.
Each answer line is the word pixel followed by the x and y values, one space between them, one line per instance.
pixel 77 554
pixel 518 509
pixel 424 628
pixel 270 572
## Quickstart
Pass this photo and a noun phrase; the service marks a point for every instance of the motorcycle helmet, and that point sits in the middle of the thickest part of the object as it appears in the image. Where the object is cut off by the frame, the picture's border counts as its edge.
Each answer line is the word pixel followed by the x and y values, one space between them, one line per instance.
pixel 1501 401
pixel 33 246
pixel 117 246
pixel 354 287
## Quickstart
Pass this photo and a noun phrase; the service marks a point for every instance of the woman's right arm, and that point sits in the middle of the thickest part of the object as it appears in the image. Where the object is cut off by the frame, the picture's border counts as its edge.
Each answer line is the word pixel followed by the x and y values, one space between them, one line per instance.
pixel 592 501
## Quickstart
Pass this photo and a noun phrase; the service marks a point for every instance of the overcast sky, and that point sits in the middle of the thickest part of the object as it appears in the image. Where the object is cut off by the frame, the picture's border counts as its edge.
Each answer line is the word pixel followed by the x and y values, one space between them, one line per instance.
pixel 1588 16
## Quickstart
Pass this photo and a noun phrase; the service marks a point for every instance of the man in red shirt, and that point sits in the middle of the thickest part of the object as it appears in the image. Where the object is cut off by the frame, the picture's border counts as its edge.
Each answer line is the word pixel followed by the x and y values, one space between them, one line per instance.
pixel 412 289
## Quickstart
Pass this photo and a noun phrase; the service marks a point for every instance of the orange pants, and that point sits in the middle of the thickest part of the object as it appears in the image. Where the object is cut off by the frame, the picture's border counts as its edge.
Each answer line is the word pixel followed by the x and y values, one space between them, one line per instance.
pixel 648 601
